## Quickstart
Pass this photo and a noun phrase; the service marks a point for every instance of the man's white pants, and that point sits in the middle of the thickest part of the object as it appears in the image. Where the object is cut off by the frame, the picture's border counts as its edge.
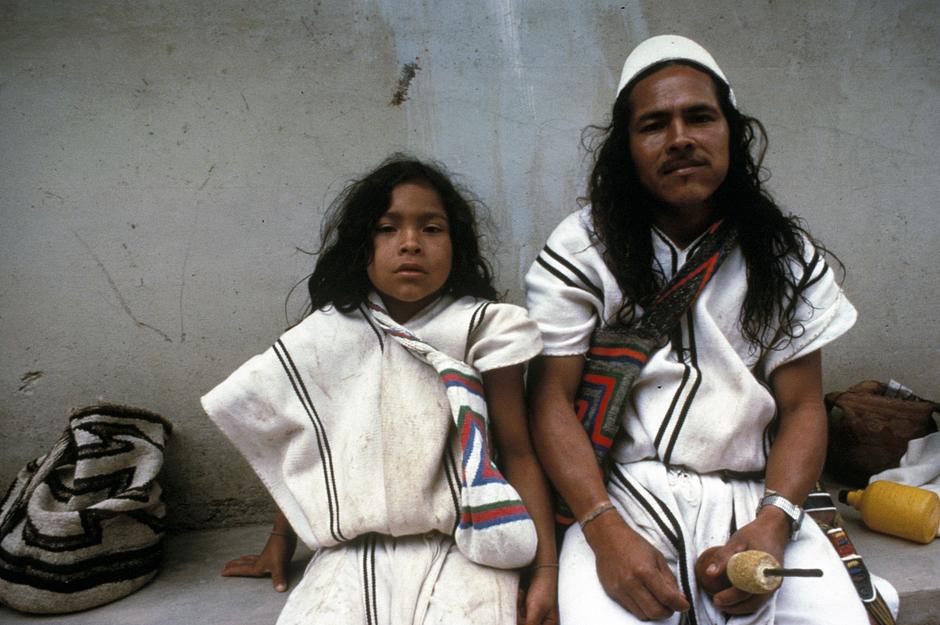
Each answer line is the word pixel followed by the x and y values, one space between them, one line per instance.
pixel 799 601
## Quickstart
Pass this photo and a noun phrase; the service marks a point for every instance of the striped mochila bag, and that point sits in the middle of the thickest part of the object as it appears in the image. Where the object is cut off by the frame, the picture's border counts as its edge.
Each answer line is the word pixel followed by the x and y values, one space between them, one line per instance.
pixel 494 528
pixel 83 525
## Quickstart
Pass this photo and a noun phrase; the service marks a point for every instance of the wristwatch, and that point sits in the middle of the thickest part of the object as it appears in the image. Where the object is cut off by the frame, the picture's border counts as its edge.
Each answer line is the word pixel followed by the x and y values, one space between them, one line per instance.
pixel 794 513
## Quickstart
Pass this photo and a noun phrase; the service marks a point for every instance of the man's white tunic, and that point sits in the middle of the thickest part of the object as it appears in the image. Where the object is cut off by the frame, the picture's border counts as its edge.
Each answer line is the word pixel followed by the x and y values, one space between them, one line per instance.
pixel 695 440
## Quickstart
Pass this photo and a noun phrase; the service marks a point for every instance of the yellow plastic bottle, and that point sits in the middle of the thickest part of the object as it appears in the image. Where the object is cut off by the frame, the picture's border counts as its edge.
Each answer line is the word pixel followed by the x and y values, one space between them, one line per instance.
pixel 897 509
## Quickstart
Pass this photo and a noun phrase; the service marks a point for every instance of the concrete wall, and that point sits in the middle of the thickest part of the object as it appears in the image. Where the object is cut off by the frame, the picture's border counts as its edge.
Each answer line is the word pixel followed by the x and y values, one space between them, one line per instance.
pixel 162 162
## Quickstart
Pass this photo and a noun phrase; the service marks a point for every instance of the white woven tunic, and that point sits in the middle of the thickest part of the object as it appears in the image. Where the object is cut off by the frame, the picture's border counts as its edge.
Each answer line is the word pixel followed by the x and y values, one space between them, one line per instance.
pixel 354 438
pixel 352 434
pixel 702 402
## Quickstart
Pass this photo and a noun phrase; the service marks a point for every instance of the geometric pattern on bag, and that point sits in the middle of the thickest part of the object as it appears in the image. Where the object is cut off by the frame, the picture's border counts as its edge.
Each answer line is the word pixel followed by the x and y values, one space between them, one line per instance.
pixel 83 525
pixel 495 528
pixel 607 382
pixel 481 472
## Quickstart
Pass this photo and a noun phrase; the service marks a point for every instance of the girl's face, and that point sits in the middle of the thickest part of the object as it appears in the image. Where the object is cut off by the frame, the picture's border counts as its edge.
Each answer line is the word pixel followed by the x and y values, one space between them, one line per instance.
pixel 411 250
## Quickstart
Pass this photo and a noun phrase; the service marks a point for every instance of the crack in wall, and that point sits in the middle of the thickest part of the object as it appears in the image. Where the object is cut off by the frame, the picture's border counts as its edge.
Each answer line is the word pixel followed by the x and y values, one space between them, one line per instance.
pixel 117 292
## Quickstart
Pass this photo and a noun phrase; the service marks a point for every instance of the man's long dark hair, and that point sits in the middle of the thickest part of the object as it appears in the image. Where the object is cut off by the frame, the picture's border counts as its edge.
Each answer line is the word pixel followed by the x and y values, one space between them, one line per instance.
pixel 339 277
pixel 623 211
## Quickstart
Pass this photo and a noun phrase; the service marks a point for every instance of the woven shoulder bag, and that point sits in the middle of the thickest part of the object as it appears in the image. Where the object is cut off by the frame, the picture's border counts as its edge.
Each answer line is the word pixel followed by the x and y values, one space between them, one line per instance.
pixel 83 525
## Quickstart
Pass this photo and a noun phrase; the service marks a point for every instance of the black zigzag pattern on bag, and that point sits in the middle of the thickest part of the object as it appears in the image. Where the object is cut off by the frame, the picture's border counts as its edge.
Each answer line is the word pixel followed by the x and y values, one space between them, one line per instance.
pixel 81 575
pixel 64 487
pixel 83 525
pixel 109 444
pixel 92 532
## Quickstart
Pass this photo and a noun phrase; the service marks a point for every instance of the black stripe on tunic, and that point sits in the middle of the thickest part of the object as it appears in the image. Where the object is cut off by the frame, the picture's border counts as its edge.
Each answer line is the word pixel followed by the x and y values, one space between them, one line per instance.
pixel 577 272
pixel 673 534
pixel 479 314
pixel 323 443
pixel 678 341
pixel 690 366
pixel 672 406
pixel 368 579
pixel 371 323
pixel 558 274
pixel 375 602
pixel 453 482
pixel 673 253
pixel 683 560
pixel 693 352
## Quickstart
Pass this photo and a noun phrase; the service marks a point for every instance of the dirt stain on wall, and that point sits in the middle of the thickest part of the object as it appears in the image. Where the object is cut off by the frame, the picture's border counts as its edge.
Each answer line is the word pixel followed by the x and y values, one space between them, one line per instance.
pixel 408 72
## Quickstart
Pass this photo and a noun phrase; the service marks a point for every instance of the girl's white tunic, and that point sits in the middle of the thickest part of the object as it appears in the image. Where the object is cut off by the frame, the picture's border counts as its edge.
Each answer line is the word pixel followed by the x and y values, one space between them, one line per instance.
pixel 353 437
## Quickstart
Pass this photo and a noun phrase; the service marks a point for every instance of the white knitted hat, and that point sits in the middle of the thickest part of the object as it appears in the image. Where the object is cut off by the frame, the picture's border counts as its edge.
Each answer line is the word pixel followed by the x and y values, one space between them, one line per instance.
pixel 668 48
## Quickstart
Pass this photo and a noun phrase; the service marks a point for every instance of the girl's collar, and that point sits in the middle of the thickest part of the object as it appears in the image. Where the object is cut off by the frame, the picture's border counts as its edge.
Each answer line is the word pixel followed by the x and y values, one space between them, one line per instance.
pixel 422 316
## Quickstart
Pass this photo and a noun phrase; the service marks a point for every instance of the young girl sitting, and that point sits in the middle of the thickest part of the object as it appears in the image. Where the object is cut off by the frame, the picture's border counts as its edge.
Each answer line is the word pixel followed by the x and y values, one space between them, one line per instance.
pixel 349 420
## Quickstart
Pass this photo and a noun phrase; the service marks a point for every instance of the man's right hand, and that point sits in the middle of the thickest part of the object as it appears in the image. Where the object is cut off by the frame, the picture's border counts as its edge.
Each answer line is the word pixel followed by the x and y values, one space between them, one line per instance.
pixel 633 572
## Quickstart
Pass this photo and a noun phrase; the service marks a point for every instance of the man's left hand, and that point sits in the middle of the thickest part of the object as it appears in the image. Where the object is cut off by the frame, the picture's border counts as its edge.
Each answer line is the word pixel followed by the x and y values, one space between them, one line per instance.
pixel 769 532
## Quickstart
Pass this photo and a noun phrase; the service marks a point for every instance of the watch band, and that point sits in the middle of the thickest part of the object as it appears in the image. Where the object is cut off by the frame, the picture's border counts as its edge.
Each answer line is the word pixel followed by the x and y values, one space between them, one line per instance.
pixel 794 512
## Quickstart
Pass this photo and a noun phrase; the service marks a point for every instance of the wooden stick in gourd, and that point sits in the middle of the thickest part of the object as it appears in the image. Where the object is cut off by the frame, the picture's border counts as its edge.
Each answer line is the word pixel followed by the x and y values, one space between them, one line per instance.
pixel 758 572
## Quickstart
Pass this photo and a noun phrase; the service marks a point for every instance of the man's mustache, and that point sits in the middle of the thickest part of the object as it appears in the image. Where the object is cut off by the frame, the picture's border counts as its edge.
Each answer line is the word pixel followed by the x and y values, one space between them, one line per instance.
pixel 678 163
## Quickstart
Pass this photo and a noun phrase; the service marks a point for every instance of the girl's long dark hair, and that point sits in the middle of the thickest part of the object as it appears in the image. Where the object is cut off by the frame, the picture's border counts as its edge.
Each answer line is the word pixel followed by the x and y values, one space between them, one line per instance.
pixel 623 211
pixel 339 278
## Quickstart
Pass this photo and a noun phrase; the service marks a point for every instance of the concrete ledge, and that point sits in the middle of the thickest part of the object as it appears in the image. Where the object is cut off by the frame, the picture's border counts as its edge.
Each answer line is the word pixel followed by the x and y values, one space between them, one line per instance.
pixel 189 590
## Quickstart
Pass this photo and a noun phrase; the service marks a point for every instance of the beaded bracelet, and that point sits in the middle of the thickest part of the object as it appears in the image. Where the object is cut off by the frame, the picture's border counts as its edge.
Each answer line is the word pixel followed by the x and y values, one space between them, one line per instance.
pixel 596 512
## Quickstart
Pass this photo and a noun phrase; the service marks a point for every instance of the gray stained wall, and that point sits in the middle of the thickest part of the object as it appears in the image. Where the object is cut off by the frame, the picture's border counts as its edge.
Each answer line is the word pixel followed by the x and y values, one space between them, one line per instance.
pixel 163 164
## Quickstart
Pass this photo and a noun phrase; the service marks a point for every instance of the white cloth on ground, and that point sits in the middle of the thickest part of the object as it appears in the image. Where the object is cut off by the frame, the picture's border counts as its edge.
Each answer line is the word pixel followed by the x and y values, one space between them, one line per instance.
pixel 350 433
pixel 702 404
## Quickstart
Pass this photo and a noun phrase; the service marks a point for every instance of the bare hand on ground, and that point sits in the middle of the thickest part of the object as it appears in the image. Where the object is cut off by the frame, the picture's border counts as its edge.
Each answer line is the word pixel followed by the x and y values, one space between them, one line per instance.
pixel 273 561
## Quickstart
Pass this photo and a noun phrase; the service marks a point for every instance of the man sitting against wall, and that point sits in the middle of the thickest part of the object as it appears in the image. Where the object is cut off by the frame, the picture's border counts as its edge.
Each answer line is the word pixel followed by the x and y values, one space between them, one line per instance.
pixel 724 434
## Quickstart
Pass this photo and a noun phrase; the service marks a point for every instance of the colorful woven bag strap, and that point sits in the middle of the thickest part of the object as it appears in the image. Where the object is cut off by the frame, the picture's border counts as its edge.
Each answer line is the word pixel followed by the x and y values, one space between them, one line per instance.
pixel 820 507
pixel 494 528
pixel 618 354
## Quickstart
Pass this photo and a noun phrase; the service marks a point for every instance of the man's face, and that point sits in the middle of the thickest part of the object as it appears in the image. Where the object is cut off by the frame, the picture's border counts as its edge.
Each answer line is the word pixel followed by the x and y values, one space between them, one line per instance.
pixel 678 136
